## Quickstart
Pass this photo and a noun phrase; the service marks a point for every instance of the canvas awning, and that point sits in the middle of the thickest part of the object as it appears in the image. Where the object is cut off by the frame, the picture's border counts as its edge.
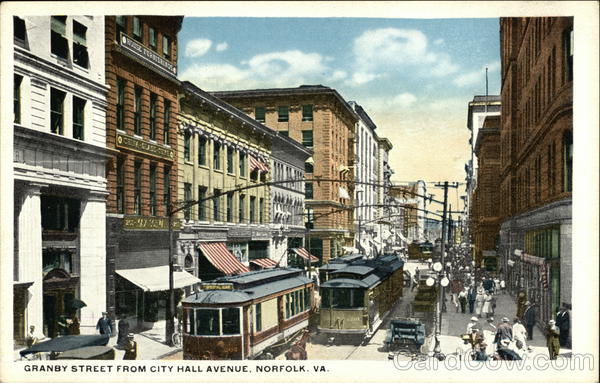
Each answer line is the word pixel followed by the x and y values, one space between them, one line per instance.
pixel 265 263
pixel 305 254
pixel 221 258
pixel 157 278
pixel 256 164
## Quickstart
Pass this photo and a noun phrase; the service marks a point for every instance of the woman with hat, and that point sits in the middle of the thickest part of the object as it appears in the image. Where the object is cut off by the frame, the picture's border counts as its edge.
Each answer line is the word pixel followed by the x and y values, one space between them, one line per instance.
pixel 552 339
pixel 130 348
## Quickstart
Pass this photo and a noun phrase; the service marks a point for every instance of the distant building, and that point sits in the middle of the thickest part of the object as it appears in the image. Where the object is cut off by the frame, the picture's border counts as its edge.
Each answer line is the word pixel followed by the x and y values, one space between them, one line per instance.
pixel 383 230
pixel 59 173
pixel 318 117
pixel 536 137
pixel 412 198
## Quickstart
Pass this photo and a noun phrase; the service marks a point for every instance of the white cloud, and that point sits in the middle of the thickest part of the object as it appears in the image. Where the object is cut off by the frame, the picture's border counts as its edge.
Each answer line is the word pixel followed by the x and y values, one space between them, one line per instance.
pixel 477 76
pixel 393 49
pixel 404 99
pixel 438 42
pixel 275 69
pixel 197 47
pixel 360 78
pixel 221 47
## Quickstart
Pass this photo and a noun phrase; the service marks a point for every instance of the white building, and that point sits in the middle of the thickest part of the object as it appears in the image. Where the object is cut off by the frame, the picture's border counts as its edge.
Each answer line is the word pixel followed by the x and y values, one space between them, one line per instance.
pixel 59 172
pixel 365 173
pixel 289 161
pixel 383 237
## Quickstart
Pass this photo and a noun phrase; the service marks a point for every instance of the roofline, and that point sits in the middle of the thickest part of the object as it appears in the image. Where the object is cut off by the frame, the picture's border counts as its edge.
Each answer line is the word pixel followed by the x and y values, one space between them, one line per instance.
pixel 383 140
pixel 363 115
pixel 302 90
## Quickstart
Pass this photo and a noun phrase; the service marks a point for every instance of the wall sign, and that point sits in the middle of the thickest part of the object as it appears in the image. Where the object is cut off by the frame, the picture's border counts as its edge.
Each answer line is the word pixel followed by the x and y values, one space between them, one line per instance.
pixel 141 146
pixel 148 56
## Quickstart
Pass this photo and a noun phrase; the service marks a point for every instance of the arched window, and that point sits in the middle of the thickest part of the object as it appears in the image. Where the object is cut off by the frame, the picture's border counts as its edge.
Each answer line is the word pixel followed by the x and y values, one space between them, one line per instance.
pixel 188 262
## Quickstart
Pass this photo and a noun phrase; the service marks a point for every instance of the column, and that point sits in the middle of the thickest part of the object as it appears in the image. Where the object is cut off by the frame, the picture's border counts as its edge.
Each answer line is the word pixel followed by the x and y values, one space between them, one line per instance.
pixel 92 253
pixel 30 254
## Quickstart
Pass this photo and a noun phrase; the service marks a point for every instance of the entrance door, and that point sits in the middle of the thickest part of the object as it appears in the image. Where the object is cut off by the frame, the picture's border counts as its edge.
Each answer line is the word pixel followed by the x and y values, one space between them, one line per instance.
pixel 50 329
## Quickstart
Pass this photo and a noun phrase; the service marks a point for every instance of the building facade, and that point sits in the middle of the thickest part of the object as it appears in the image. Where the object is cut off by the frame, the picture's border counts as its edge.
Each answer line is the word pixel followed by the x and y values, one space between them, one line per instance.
pixel 365 173
pixel 383 230
pixel 486 210
pixel 536 137
pixel 320 119
pixel 142 173
pixel 59 172
pixel 222 150
pixel 412 200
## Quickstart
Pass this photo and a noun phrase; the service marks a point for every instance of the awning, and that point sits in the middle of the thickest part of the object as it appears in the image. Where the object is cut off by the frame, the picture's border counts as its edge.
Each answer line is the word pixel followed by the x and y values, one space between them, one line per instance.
pixel 221 258
pixel 157 278
pixel 258 165
pixel 305 254
pixel 310 161
pixel 265 263
pixel 343 193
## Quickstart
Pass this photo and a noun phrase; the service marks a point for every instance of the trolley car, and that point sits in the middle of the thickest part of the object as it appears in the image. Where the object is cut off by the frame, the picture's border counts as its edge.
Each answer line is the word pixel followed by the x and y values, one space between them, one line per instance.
pixel 358 296
pixel 241 316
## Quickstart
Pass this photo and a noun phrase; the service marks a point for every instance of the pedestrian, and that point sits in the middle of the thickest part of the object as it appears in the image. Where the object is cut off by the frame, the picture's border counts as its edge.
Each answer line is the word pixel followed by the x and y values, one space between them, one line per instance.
pixel 105 325
pixel 563 322
pixel 471 296
pixel 73 324
pixel 529 319
pixel 519 335
pixel 552 339
pixel 502 286
pixel 479 300
pixel 123 333
pixel 473 322
pixel 414 280
pixel 487 301
pixel 480 353
pixel 521 299
pixel 130 348
pixel 496 285
pixel 504 334
pixel 489 331
pixel 462 299
pixel 492 310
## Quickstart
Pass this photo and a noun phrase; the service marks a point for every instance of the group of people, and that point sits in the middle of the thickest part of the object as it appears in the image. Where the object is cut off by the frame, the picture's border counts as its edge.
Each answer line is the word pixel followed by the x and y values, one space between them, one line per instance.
pixel 509 341
pixel 125 340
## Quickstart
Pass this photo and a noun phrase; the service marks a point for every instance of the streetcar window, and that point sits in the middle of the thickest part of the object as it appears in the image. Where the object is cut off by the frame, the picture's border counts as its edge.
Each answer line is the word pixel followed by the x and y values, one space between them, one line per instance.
pixel 231 321
pixel 341 298
pixel 207 322
pixel 190 324
pixel 325 294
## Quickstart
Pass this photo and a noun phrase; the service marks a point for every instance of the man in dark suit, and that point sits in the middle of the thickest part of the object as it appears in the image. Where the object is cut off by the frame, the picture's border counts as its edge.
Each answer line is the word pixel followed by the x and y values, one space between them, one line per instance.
pixel 529 319
pixel 105 325
pixel 471 296
pixel 563 322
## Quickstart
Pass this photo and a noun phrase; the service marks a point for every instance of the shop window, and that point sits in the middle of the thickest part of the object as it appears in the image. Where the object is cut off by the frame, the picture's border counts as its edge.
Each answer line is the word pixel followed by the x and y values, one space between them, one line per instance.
pixel 166 46
pixel 153 210
pixel 137 28
pixel 57 100
pixel 58 37
pixel 166 121
pixel 120 104
pixel 202 151
pixel 152 116
pixel 307 138
pixel 19 28
pixel 137 113
pixel 121 28
pixel 60 214
pixel 259 113
pixel 283 114
pixel 152 38
pixel 187 138
pixel 307 112
pixel 137 187
pixel 80 52
pixel 231 321
pixel 18 80
pixel 78 118
pixel 207 322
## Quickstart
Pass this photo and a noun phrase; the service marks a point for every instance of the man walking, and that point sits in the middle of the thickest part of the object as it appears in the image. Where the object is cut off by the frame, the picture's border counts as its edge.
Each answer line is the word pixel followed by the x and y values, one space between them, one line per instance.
pixel 105 325
pixel 563 322
pixel 471 296
pixel 462 299
pixel 504 333
pixel 552 339
pixel 529 319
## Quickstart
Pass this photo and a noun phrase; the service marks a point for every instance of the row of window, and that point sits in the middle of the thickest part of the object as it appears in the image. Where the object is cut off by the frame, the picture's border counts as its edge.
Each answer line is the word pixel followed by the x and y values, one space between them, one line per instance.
pixel 281 172
pixel 154 104
pixel 342 298
pixel 283 113
pixel 150 38
pixel 297 302
pixel 212 322
pixel 152 191
pixel 256 213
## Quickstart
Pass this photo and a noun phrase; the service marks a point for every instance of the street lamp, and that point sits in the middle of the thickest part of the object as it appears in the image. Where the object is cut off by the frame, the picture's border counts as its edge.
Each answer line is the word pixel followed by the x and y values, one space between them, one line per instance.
pixel 443 282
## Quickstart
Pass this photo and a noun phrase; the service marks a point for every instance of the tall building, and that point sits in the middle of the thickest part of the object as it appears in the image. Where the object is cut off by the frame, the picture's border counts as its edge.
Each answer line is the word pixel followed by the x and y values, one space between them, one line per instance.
pixel 413 201
pixel 536 136
pixel 142 173
pixel 319 118
pixel 365 173
pixel 485 219
pixel 59 172
pixel 383 232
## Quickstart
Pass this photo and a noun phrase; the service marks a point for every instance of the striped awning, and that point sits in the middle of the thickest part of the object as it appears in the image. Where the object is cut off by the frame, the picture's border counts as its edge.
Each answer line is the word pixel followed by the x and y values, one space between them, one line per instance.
pixel 221 258
pixel 305 254
pixel 256 164
pixel 265 263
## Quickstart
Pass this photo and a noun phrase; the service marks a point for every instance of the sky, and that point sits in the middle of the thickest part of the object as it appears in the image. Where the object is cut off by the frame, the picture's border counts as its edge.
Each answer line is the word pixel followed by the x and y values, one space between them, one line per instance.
pixel 414 77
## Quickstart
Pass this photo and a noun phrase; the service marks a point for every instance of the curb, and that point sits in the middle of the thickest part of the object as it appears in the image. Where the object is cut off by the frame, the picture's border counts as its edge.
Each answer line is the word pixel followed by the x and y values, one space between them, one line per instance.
pixel 172 352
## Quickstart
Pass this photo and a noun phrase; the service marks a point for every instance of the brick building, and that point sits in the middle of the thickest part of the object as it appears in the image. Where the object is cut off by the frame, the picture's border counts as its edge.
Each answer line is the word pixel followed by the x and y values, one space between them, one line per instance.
pixel 536 136
pixel 141 132
pixel 485 216
pixel 319 118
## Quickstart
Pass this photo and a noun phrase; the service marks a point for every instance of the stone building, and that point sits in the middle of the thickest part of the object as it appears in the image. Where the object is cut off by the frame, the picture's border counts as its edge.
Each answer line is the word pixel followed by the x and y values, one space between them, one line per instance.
pixel 59 173
pixel 383 230
pixel 485 219
pixel 536 137
pixel 318 117
pixel 142 173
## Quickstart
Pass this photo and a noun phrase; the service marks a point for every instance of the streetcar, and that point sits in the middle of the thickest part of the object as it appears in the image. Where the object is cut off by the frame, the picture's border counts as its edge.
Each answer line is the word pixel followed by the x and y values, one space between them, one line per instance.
pixel 357 297
pixel 420 251
pixel 247 316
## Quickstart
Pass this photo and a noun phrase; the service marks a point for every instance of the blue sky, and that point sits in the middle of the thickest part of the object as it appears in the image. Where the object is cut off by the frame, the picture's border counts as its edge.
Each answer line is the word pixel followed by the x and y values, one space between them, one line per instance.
pixel 413 76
